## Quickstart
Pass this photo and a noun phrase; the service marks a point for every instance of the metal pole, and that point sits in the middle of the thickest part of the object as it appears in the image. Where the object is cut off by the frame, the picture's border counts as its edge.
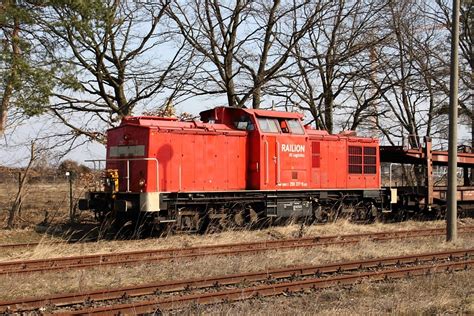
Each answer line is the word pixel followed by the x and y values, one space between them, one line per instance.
pixel 451 227
pixel 390 177
pixel 19 189
pixel 71 206
pixel 128 175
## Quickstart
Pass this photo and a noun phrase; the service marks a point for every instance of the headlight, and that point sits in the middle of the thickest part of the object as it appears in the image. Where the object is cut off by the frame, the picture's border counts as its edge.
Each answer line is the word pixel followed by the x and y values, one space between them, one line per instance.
pixel 141 183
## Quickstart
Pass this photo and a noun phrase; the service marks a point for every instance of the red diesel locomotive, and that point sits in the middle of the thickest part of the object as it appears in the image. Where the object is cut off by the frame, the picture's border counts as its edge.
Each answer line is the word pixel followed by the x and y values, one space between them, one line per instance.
pixel 235 166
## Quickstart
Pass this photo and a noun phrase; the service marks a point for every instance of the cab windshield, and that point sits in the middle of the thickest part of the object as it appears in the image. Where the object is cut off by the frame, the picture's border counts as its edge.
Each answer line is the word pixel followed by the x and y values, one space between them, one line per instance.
pixel 276 125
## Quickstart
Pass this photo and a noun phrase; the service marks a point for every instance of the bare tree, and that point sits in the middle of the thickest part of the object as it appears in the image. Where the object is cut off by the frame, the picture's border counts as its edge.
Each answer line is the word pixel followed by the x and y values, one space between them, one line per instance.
pixel 211 29
pixel 114 61
pixel 16 206
pixel 440 14
pixel 330 59
pixel 411 64
pixel 244 46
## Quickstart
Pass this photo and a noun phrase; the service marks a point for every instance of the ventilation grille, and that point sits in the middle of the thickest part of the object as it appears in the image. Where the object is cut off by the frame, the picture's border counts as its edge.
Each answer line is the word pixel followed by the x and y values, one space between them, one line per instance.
pixel 362 160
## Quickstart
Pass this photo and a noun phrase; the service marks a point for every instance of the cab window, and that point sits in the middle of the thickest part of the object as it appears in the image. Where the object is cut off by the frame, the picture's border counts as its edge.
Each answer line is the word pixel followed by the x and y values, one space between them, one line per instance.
pixel 268 125
pixel 295 127
pixel 244 123
pixel 284 126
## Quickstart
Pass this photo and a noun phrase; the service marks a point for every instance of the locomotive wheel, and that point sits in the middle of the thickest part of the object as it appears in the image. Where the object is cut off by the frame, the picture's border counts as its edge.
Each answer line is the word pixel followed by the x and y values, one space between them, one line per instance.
pixel 239 219
pixel 317 213
pixel 166 229
pixel 106 225
pixel 251 217
pixel 120 226
pixel 188 221
pixel 213 227
pixel 217 223
pixel 364 213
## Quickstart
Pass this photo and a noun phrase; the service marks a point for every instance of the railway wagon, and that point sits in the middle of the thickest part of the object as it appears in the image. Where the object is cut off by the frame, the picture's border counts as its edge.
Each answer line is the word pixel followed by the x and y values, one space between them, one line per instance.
pixel 234 166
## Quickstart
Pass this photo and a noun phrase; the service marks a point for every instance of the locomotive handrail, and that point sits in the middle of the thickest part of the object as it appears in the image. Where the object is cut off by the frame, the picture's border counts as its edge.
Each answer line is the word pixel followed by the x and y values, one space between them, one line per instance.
pixel 266 161
pixel 278 162
pixel 128 168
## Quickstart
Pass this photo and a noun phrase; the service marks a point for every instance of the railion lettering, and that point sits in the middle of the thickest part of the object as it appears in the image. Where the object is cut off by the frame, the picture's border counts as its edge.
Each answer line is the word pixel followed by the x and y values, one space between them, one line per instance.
pixel 292 148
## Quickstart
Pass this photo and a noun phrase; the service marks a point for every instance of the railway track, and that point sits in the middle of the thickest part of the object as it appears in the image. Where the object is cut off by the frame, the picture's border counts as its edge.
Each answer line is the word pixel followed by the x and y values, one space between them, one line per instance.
pixel 30 245
pixel 246 285
pixel 138 257
pixel 4 247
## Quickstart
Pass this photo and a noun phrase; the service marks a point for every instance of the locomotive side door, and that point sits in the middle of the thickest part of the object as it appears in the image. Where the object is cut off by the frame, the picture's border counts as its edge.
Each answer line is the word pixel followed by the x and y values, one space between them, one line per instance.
pixel 291 155
pixel 283 155
pixel 268 154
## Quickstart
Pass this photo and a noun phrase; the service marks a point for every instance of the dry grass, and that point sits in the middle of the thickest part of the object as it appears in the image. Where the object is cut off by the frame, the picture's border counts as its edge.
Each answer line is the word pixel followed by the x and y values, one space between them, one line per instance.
pixel 431 295
pixel 22 235
pixel 47 250
pixel 111 276
pixel 37 199
pixel 406 297
pixel 441 294
pixel 37 195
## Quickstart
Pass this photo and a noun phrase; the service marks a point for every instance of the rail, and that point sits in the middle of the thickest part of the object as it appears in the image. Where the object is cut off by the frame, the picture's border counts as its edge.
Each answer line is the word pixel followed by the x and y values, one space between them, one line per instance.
pixel 127 177
pixel 156 255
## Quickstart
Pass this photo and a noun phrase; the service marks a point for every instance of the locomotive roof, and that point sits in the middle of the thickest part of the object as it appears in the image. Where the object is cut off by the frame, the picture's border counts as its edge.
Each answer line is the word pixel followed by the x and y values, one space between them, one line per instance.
pixel 153 120
pixel 224 114
pixel 278 114
pixel 257 112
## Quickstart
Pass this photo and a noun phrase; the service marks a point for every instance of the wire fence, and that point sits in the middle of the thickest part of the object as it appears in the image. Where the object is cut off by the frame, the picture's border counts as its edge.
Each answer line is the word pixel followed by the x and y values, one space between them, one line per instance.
pixel 47 194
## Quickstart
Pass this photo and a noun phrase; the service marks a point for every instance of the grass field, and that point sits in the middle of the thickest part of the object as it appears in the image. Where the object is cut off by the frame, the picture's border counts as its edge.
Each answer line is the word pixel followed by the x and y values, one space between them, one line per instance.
pixel 440 294
pixel 40 201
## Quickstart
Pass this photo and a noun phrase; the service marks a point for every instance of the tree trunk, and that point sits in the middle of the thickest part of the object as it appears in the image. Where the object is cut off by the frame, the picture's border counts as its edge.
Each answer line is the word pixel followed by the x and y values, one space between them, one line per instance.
pixel 231 93
pixel 4 105
pixel 8 91
pixel 257 98
pixel 328 111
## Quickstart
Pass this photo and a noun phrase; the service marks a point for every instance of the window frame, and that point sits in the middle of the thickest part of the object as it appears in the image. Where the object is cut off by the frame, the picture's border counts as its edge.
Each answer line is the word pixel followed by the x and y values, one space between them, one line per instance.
pixel 291 127
pixel 274 122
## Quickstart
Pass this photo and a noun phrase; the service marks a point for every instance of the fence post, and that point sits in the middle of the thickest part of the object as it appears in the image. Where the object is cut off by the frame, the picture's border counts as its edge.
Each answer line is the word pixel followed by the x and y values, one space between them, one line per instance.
pixel 69 174
pixel 19 188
